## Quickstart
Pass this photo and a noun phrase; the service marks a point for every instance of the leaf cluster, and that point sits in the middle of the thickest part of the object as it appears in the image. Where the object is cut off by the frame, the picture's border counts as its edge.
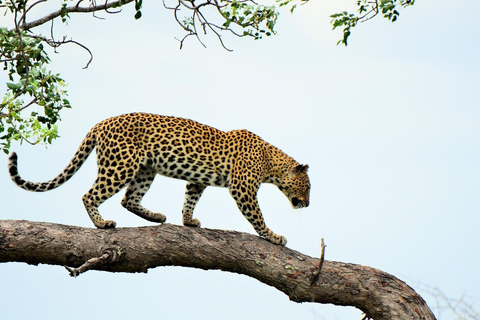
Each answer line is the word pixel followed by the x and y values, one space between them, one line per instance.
pixel 366 10
pixel 25 62
pixel 255 20
pixel 138 8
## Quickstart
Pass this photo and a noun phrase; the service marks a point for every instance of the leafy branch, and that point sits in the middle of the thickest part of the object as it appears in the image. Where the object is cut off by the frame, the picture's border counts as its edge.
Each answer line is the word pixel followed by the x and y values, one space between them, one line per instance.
pixel 366 10
pixel 25 62
pixel 238 17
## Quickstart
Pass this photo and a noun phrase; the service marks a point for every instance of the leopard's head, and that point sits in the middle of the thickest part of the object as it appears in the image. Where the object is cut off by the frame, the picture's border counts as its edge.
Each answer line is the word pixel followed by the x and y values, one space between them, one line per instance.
pixel 295 185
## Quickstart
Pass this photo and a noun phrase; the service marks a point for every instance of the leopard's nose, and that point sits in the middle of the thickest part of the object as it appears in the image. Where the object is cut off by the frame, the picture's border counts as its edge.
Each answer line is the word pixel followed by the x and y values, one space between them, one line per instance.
pixel 295 201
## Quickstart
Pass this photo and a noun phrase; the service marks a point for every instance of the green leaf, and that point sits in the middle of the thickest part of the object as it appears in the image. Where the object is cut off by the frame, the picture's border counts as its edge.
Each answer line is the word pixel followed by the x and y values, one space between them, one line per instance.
pixel 14 86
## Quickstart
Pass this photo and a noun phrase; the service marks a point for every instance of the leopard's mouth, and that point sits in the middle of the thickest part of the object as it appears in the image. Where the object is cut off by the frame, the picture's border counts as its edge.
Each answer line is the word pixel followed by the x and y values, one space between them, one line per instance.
pixel 299 203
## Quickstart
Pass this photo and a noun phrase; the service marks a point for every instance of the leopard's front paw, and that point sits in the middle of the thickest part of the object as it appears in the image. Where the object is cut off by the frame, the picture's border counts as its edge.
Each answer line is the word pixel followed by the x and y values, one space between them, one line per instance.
pixel 192 223
pixel 277 239
pixel 158 217
pixel 105 224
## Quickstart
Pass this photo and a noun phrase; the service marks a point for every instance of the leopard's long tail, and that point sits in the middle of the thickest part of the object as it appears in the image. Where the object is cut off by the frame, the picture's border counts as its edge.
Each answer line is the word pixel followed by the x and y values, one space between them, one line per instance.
pixel 86 147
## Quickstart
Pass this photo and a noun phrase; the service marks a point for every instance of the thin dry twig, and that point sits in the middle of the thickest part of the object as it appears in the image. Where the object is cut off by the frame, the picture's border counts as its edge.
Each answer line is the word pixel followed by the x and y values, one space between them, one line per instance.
pixel 197 17
pixel 55 44
pixel 460 308
pixel 109 256
pixel 316 274
pixel 370 14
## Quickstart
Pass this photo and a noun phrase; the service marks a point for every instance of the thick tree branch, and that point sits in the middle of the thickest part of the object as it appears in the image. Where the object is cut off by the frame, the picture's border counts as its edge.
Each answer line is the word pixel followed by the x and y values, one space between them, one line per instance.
pixel 73 9
pixel 378 294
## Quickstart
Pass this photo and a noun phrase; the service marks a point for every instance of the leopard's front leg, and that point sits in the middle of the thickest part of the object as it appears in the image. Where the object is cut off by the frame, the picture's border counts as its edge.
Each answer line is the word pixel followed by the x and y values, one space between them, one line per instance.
pixel 193 193
pixel 246 198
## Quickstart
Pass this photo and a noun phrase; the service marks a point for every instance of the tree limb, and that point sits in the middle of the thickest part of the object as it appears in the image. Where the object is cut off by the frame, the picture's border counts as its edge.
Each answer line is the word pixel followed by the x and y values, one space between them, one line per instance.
pixel 378 294
pixel 73 9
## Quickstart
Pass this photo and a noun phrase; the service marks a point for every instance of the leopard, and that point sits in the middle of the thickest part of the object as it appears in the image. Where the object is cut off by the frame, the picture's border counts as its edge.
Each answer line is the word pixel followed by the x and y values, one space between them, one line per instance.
pixel 133 148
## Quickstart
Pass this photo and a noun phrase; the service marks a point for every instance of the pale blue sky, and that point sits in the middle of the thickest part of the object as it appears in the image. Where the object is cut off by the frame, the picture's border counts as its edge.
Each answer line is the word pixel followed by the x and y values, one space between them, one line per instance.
pixel 389 127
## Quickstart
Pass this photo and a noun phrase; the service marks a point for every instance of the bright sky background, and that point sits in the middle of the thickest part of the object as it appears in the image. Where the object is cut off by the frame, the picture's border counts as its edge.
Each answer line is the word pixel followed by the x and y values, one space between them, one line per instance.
pixel 389 127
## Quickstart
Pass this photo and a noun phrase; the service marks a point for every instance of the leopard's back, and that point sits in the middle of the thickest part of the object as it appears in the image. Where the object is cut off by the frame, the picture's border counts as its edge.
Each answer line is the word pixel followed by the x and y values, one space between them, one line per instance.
pixel 175 147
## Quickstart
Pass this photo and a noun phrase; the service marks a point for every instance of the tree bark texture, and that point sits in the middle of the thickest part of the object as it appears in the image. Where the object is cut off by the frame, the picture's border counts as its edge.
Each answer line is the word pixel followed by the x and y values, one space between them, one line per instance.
pixel 378 294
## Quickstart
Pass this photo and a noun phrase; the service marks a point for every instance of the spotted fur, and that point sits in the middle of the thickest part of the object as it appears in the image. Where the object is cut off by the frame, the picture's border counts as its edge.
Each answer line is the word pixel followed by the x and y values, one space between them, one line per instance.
pixel 133 148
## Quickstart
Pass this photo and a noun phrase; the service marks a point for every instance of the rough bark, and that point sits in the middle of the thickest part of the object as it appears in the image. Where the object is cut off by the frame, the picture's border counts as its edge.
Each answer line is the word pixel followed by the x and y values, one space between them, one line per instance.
pixel 378 294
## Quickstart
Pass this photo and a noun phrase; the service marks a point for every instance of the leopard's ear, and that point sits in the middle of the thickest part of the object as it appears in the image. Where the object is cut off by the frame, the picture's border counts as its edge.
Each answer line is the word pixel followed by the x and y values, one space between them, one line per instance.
pixel 301 168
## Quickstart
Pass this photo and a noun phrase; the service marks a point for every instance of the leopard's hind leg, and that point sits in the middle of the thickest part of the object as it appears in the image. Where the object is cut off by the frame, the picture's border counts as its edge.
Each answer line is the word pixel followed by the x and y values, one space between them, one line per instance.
pixel 136 189
pixel 110 180
pixel 101 190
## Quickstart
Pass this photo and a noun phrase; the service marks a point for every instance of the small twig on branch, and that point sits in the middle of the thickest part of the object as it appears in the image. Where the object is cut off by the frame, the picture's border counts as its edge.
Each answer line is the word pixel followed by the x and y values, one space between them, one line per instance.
pixel 30 8
pixel 78 3
pixel 186 36
pixel 211 26
pixel 107 11
pixel 84 47
pixel 109 256
pixel 198 16
pixel 316 274
pixel 55 44
pixel 34 100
